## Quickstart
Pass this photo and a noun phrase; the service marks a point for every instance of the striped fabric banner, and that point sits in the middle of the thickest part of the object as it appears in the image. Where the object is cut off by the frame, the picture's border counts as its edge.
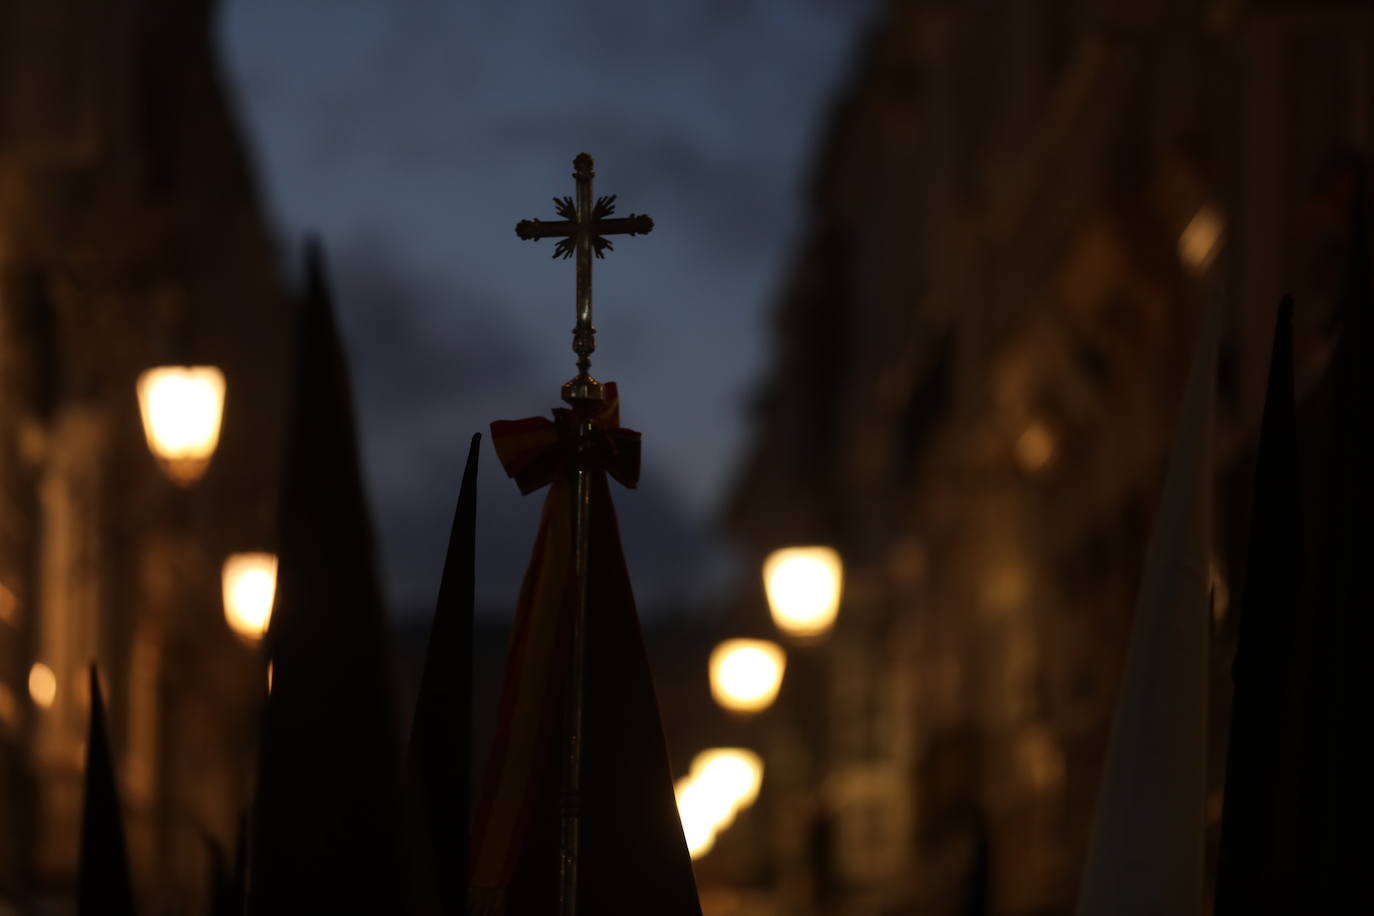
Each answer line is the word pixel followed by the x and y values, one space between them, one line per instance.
pixel 633 856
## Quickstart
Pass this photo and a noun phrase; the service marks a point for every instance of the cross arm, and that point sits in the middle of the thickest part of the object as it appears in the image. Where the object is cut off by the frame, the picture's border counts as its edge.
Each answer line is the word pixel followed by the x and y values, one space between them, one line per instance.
pixel 634 224
pixel 599 224
pixel 566 231
pixel 531 229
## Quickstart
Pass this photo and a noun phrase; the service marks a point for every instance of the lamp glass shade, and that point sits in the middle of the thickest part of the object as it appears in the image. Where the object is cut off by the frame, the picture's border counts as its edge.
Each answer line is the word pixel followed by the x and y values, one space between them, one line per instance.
pixel 746 674
pixel 249 581
pixel 182 407
pixel 803 585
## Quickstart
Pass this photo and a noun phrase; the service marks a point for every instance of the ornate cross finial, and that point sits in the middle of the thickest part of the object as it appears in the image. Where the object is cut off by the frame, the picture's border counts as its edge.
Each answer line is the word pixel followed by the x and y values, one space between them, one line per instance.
pixel 582 231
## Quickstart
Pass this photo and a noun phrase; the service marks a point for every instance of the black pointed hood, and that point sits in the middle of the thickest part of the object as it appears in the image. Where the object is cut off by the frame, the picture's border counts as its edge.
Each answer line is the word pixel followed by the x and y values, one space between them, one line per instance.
pixel 439 758
pixel 1260 832
pixel 327 826
pixel 1341 502
pixel 103 884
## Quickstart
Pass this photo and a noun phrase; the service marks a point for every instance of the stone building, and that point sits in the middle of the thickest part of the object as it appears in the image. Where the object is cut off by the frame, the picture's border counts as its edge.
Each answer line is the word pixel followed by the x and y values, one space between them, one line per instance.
pixel 130 236
pixel 1017 216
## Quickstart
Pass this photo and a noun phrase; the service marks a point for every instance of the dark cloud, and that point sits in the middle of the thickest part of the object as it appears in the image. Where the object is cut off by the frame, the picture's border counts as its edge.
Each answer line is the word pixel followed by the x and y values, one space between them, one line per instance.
pixel 419 340
pixel 415 134
pixel 430 365
pixel 425 358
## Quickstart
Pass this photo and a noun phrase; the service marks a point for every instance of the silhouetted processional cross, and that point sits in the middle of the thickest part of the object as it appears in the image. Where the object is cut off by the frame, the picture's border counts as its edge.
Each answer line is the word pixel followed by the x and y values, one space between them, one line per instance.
pixel 582 232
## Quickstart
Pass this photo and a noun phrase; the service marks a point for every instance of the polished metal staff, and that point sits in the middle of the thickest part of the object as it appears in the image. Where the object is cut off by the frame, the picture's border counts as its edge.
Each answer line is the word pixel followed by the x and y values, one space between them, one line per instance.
pixel 580 232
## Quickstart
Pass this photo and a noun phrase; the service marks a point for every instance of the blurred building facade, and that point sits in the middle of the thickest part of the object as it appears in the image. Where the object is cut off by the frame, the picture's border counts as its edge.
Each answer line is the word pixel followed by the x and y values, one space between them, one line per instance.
pixel 1017 216
pixel 130 237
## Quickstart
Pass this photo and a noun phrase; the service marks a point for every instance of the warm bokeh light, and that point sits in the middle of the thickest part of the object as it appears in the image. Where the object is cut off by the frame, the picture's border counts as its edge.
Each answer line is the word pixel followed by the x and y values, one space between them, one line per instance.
pixel 1034 447
pixel 1198 244
pixel 735 773
pixel 746 674
pixel 723 781
pixel 698 819
pixel 249 581
pixel 42 685
pixel 182 407
pixel 803 586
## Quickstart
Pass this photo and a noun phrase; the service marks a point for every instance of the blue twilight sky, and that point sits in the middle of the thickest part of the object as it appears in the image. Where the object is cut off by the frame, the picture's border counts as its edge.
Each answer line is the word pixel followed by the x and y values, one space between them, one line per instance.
pixel 413 134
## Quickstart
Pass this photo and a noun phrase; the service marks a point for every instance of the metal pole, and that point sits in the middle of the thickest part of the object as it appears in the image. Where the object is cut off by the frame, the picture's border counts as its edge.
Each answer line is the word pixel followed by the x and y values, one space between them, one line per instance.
pixel 572 711
pixel 581 393
pixel 581 231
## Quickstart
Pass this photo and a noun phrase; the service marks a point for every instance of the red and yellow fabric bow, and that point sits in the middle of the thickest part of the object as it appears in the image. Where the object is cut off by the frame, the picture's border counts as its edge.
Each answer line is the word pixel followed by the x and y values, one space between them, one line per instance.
pixel 534 449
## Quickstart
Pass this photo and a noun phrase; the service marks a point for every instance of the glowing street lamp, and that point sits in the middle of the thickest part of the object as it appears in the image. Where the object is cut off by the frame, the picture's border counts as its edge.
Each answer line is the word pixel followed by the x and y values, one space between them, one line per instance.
pixel 181 408
pixel 42 685
pixel 722 782
pixel 695 811
pixel 249 581
pixel 803 586
pixel 735 773
pixel 746 674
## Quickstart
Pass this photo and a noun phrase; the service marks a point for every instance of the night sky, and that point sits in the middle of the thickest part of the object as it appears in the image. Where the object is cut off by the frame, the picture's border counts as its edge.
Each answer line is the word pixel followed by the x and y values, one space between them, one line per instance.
pixel 414 135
